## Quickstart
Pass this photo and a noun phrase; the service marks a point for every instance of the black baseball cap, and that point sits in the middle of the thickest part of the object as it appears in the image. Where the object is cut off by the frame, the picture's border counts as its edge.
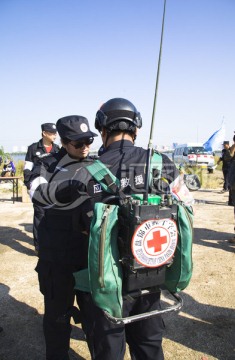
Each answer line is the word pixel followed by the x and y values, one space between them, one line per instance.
pixel 226 143
pixel 74 127
pixel 50 127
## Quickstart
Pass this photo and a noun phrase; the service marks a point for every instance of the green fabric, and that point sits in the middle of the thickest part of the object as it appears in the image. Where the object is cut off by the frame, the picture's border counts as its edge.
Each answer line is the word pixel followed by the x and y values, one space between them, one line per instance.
pixel 98 170
pixel 156 163
pixel 104 273
pixel 179 273
pixel 82 280
pixel 103 278
pixel 152 199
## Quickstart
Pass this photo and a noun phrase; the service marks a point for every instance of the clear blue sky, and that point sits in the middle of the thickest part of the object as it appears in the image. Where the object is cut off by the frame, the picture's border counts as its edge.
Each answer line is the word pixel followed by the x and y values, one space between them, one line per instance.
pixel 63 57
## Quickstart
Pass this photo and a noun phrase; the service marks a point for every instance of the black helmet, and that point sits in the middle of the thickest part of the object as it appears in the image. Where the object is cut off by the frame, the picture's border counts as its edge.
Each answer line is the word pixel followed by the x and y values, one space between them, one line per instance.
pixel 118 114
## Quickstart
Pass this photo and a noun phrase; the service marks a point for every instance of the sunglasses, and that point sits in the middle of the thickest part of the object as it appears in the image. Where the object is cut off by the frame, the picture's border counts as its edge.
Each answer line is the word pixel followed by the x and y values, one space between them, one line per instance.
pixel 80 144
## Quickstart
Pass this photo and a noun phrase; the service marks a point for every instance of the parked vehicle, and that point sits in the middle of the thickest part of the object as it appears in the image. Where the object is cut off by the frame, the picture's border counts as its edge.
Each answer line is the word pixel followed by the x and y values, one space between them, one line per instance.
pixel 194 154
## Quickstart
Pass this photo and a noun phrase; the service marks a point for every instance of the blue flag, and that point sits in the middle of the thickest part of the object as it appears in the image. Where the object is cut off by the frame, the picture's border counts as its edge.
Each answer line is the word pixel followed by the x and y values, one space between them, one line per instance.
pixel 215 141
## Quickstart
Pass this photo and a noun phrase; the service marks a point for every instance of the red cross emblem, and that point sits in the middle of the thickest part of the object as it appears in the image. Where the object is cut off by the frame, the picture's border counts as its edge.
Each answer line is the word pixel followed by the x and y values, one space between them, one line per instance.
pixel 157 241
pixel 154 242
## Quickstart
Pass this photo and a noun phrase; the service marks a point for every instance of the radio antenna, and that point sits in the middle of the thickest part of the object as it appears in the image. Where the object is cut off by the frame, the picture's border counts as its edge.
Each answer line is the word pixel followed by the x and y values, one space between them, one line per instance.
pixel 150 144
pixel 157 79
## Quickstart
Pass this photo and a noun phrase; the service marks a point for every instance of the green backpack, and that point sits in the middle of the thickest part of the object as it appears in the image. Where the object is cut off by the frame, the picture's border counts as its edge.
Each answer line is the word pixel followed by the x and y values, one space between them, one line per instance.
pixel 103 278
pixel 179 273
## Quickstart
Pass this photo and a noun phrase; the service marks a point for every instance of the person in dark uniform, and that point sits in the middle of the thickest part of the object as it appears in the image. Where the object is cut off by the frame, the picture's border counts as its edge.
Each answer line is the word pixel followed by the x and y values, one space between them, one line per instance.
pixel 226 162
pixel 118 122
pixel 62 232
pixel 69 192
pixel 232 184
pixel 39 151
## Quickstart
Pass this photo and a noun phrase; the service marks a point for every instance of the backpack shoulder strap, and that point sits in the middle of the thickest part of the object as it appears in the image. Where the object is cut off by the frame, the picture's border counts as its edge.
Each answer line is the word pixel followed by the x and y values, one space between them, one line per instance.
pixel 156 163
pixel 103 175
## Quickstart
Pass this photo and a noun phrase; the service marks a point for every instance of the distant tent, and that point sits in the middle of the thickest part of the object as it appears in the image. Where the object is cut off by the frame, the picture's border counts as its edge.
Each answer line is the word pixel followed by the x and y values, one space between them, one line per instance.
pixel 215 141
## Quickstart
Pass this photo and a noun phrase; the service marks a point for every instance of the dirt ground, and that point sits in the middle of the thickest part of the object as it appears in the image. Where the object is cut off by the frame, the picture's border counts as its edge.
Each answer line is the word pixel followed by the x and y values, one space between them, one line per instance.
pixel 204 329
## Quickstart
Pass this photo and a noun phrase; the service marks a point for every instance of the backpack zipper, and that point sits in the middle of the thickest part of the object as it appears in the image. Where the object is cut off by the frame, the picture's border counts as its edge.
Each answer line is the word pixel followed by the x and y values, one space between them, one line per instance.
pixel 103 227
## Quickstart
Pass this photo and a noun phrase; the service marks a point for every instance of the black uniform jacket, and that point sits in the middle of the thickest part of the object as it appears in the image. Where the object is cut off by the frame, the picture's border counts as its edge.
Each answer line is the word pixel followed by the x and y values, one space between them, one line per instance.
pixel 35 152
pixel 128 163
pixel 62 188
pixel 226 159
pixel 68 192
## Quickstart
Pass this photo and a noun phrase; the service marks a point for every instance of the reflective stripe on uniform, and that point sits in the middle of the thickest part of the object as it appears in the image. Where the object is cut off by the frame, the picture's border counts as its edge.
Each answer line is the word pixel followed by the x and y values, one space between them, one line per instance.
pixel 28 165
pixel 35 183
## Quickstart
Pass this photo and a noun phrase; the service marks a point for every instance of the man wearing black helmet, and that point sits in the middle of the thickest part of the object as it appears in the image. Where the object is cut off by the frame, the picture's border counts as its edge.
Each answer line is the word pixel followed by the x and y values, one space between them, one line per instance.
pixel 62 232
pixel 118 122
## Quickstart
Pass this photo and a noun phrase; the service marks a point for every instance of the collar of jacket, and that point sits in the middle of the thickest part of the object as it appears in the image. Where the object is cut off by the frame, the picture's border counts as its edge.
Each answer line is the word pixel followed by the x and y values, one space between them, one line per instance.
pixel 120 144
pixel 40 143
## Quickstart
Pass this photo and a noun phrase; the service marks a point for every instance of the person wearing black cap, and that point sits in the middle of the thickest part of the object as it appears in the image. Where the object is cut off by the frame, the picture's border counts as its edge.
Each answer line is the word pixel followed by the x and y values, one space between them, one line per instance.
pixel 39 151
pixel 226 162
pixel 63 235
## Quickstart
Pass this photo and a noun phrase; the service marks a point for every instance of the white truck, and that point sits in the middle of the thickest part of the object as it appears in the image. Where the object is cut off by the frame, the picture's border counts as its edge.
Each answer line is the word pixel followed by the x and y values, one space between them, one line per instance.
pixel 194 154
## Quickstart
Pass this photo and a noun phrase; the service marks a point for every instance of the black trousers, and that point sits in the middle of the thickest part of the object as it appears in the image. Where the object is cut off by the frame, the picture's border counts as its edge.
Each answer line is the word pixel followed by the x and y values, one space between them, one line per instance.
pixel 57 286
pixel 107 341
pixel 226 182
pixel 37 217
